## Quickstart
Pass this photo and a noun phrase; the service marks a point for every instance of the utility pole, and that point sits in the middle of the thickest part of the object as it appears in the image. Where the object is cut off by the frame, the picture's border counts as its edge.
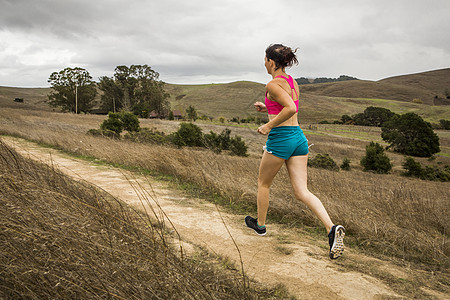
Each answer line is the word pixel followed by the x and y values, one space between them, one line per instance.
pixel 76 98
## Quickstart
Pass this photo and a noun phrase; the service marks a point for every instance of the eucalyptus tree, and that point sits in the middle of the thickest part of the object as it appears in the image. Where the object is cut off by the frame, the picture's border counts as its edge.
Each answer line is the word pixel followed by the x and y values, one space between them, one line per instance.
pixel 72 89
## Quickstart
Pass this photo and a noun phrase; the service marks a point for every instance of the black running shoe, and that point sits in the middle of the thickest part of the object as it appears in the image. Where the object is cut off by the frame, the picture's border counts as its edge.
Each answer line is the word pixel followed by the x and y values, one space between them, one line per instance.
pixel 253 224
pixel 336 241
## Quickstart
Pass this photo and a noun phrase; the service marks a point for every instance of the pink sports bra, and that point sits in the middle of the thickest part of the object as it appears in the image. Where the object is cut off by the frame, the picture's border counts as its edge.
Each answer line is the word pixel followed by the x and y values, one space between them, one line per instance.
pixel 273 107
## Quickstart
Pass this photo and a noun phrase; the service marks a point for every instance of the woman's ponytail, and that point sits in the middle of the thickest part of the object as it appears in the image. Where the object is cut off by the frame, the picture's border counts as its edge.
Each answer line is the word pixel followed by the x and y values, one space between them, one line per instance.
pixel 283 56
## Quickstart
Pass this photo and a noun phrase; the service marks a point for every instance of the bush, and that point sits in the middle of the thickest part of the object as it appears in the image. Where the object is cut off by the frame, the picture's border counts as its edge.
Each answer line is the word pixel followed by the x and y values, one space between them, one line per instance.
pixel 415 169
pixel 188 135
pixel 411 135
pixel 113 123
pixel 346 164
pixel 444 124
pixel 103 133
pixel 130 121
pixel 238 147
pixel 146 135
pixel 212 142
pixel 95 132
pixel 323 161
pixel 118 122
pixel 376 160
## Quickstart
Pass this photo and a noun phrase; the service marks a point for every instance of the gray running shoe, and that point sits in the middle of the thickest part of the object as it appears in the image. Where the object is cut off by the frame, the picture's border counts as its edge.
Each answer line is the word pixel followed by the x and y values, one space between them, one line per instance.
pixel 336 241
pixel 253 224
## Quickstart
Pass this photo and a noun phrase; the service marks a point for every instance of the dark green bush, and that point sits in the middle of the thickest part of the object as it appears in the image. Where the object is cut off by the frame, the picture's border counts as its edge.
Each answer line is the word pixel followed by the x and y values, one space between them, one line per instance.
pixel 103 133
pixel 118 122
pixel 346 164
pixel 323 161
pixel 212 142
pixel 415 169
pixel 147 135
pixel 130 121
pixel 188 135
pixel 113 123
pixel 238 147
pixel 376 160
pixel 95 132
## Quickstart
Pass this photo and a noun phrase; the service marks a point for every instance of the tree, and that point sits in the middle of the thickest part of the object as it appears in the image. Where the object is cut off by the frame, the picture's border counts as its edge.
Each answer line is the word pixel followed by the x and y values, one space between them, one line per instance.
pixel 376 116
pixel 112 94
pixel 373 116
pixel 376 160
pixel 135 88
pixel 191 113
pixel 72 90
pixel 411 135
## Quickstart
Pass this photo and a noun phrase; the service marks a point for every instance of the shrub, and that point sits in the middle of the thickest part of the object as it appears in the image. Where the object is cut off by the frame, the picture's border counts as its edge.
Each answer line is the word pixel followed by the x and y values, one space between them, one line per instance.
pixel 212 142
pixel 113 123
pixel 323 161
pixel 118 122
pixel 436 174
pixel 224 139
pixel 95 132
pixel 411 135
pixel 191 113
pixel 104 133
pixel 415 169
pixel 188 135
pixel 238 147
pixel 376 160
pixel 346 164
pixel 130 121
pixel 146 135
pixel 444 124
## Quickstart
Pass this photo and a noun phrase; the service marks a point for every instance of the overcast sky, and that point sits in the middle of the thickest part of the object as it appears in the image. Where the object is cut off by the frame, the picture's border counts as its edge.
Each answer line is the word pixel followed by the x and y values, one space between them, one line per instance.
pixel 199 41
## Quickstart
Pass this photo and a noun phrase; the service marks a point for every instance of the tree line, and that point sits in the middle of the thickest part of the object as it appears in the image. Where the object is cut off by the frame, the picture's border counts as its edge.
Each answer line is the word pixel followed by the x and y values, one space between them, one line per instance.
pixel 304 80
pixel 136 88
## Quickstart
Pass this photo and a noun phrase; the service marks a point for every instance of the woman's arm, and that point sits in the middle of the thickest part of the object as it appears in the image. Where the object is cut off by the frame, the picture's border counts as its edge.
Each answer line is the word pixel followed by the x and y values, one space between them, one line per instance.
pixel 278 94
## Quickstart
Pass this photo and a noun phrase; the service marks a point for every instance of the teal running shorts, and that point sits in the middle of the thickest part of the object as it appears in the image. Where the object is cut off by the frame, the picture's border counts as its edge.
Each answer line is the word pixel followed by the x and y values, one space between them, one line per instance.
pixel 286 141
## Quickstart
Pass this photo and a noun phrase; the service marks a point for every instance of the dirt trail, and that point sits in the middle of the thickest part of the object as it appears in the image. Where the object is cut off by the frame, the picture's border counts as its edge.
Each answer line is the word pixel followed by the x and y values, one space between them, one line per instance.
pixel 306 271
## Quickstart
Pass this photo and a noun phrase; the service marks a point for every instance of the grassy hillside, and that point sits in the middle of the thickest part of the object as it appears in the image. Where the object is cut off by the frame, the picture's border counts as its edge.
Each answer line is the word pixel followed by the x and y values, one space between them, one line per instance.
pixel 227 100
pixel 34 98
pixel 326 101
pixel 435 81
pixel 424 86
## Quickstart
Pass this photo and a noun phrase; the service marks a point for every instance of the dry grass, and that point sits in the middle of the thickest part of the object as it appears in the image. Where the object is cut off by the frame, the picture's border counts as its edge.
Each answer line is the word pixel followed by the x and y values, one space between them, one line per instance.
pixel 62 239
pixel 388 214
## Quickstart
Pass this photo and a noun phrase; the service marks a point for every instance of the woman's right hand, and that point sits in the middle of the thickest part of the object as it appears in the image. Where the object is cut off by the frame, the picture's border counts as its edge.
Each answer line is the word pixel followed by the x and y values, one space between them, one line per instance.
pixel 261 107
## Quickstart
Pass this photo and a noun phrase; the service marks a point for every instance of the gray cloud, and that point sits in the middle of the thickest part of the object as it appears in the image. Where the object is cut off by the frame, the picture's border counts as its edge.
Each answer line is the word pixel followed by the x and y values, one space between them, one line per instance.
pixel 201 41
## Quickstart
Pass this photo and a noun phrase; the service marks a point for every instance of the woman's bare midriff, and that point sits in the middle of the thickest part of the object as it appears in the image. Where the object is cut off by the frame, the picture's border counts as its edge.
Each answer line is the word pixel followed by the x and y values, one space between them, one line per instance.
pixel 292 121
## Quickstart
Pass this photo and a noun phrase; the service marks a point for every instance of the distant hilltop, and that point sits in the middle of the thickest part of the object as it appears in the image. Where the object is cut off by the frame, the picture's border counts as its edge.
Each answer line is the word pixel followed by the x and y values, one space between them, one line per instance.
pixel 304 80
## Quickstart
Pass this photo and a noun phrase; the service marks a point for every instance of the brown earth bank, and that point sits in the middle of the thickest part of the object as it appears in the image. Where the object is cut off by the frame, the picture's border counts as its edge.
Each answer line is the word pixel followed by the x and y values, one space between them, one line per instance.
pixel 286 255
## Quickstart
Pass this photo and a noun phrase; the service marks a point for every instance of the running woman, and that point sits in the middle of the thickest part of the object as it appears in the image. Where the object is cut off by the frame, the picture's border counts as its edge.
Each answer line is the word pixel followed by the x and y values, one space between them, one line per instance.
pixel 286 144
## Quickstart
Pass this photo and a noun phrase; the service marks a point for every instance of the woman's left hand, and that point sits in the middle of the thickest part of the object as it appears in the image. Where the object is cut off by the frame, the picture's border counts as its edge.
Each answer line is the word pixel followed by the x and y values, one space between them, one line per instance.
pixel 264 129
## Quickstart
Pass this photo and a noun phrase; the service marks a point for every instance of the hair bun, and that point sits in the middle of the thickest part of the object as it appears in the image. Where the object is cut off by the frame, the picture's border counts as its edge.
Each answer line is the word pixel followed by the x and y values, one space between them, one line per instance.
pixel 283 56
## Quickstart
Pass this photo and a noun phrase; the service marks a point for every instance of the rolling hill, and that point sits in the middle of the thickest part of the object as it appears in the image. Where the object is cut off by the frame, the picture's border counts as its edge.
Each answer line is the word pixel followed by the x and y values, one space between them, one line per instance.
pixel 430 87
pixel 324 101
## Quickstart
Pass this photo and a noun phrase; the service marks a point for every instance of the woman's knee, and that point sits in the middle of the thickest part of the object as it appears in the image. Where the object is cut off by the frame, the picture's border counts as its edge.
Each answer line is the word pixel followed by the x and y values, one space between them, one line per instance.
pixel 264 183
pixel 303 194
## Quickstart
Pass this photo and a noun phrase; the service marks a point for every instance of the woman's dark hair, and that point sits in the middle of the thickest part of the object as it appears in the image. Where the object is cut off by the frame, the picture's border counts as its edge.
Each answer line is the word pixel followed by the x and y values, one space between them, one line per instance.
pixel 283 56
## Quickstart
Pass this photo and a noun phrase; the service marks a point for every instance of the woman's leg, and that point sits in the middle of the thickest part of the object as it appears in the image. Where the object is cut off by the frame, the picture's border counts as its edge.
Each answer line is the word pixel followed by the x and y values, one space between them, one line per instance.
pixel 269 167
pixel 297 168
